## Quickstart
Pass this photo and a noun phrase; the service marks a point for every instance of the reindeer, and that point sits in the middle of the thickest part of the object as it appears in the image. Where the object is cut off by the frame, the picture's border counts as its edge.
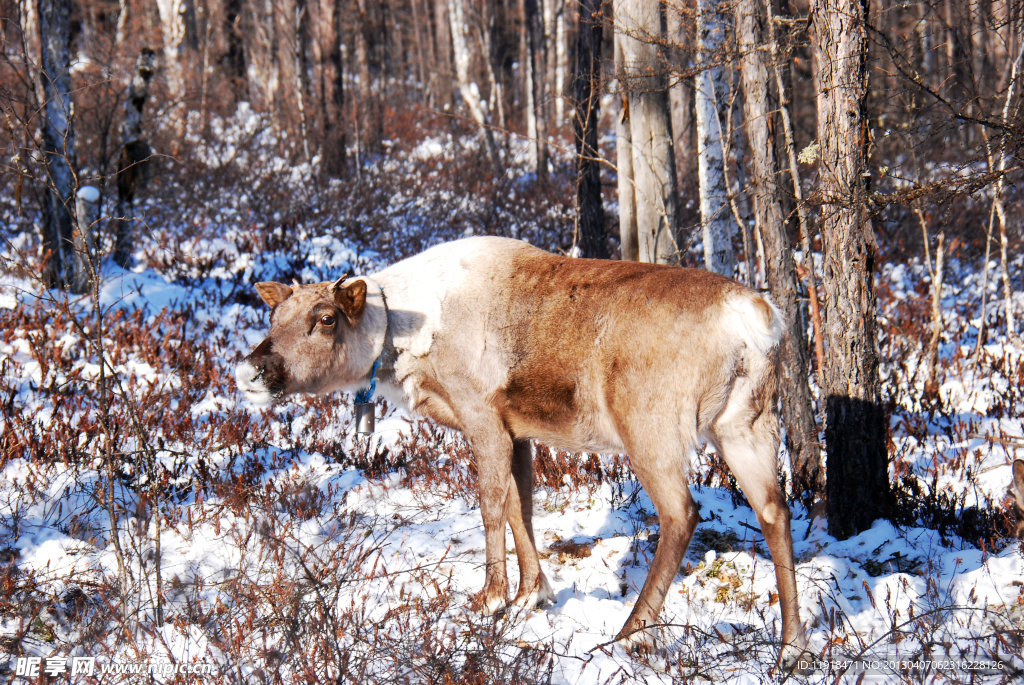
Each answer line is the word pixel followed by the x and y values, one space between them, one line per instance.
pixel 1017 490
pixel 509 344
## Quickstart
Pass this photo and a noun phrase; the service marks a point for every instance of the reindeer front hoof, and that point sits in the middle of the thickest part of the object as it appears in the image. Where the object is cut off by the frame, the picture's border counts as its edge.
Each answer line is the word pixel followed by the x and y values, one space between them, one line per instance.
pixel 636 639
pixel 490 604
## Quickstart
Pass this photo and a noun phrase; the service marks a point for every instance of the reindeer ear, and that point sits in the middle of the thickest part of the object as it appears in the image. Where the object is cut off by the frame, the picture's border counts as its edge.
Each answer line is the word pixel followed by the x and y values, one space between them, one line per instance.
pixel 351 300
pixel 273 293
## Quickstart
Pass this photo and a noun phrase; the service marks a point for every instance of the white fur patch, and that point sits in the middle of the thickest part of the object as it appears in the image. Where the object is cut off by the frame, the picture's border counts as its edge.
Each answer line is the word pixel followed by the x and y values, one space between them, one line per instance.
pixel 744 319
pixel 417 289
pixel 255 391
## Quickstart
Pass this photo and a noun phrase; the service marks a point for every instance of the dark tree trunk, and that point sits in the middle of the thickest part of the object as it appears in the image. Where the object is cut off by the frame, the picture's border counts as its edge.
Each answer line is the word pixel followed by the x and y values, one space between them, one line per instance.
pixel 798 413
pixel 335 156
pixel 133 164
pixel 589 210
pixel 234 59
pixel 858 490
pixel 58 142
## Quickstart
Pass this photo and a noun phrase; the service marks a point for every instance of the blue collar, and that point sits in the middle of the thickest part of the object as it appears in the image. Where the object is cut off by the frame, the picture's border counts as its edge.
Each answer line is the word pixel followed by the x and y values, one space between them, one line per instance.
pixel 366 394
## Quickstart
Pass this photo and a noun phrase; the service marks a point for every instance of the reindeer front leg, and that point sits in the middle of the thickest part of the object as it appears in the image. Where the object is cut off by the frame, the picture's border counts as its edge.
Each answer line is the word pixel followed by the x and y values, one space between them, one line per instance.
pixel 492 447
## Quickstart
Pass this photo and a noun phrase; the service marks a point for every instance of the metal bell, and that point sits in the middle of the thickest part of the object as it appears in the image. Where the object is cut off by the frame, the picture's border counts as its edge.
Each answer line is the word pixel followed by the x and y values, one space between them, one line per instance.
pixel 364 418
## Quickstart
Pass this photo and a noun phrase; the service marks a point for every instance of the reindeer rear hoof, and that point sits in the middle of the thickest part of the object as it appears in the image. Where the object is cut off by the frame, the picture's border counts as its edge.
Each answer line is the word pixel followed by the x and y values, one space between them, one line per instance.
pixel 540 597
pixel 794 658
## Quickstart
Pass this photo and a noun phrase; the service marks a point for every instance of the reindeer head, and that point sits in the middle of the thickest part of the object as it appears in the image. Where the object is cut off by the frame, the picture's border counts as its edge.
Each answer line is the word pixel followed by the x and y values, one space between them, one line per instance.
pixel 323 337
pixel 1017 490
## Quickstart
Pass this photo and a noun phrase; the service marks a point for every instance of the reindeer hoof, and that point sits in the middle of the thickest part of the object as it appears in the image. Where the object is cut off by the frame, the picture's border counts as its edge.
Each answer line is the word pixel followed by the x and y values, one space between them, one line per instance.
pixel 541 596
pixel 794 658
pixel 636 639
pixel 490 606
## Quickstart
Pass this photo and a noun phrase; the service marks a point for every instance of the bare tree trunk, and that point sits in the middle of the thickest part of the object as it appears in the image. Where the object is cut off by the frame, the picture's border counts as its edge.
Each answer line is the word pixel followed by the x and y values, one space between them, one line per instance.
pixel 264 77
pixel 173 27
pixel 122 22
pixel 590 236
pixel 680 92
pixel 443 41
pixel 629 248
pixel 798 412
pixel 28 17
pixel 550 61
pixel 931 383
pixel 469 90
pixel 858 490
pixel 798 195
pixel 536 124
pixel 561 63
pixel 334 94
pixel 299 37
pixel 58 142
pixel 133 164
pixel 712 110
pixel 87 206
pixel 422 56
pixel 1011 328
pixel 639 24
pixel 234 60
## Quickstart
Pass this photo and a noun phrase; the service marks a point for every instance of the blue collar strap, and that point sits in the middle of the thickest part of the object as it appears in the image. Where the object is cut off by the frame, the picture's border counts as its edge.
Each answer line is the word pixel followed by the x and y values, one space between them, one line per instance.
pixel 366 394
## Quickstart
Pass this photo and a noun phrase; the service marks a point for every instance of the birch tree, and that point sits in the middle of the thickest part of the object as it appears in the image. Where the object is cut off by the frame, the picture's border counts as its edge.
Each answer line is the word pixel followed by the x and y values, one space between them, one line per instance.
pixel 780 267
pixel 711 101
pixel 639 28
pixel 468 88
pixel 58 142
pixel 629 248
pixel 173 27
pixel 858 490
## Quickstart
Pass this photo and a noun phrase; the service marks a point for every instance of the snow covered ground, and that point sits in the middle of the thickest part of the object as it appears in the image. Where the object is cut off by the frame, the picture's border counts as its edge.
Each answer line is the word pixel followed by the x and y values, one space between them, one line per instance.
pixel 291 549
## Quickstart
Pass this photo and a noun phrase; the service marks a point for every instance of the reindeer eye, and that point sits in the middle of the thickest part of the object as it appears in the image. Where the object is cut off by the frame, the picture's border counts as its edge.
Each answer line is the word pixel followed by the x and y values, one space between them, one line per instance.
pixel 327 320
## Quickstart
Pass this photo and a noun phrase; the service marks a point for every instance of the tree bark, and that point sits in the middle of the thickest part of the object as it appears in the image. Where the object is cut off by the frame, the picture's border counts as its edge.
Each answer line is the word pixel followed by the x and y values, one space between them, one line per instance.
pixel 87 206
pixel 58 142
pixel 174 29
pixel 443 44
pixel 629 248
pixel 858 490
pixel 712 110
pixel 680 93
pixel 590 236
pixel 133 164
pixel 468 89
pixel 28 18
pixel 798 196
pixel 234 59
pixel 780 267
pixel 334 152
pixel 656 199
pixel 534 62
pixel 264 75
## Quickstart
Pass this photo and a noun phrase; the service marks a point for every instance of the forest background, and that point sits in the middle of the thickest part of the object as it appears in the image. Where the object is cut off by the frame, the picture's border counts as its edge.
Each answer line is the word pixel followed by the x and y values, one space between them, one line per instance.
pixel 856 160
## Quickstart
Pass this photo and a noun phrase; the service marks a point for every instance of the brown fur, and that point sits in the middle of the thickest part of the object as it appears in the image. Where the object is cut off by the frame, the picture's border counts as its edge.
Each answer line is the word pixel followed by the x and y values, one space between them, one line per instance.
pixel 510 344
